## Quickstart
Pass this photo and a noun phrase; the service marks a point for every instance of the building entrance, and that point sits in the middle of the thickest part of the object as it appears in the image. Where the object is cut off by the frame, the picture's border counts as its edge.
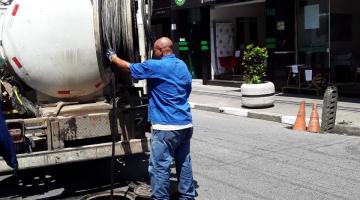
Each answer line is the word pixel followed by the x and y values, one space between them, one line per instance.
pixel 233 26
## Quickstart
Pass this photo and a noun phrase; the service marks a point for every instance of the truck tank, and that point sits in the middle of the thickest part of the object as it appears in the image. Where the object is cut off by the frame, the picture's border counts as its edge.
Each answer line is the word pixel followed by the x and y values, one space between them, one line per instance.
pixel 54 46
pixel 57 48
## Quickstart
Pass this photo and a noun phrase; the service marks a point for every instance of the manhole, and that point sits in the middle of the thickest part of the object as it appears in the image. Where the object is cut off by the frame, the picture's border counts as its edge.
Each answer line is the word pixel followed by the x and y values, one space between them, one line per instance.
pixel 143 191
pixel 106 196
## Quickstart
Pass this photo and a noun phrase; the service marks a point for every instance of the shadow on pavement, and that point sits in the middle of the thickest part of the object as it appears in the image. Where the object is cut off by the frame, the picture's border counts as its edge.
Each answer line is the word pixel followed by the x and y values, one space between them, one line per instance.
pixel 72 180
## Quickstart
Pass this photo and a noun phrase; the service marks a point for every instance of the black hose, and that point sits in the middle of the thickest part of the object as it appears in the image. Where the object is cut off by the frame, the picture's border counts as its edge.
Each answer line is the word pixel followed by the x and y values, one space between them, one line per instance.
pixel 6 3
pixel 135 30
pixel 119 32
pixel 118 27
pixel 114 132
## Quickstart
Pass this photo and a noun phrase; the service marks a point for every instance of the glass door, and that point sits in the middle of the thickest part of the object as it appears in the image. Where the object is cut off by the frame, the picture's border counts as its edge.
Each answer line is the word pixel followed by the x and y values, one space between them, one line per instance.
pixel 345 46
pixel 313 39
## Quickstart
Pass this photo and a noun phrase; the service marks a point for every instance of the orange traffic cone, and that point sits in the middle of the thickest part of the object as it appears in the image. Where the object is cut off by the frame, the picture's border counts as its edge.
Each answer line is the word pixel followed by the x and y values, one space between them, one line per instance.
pixel 314 125
pixel 300 124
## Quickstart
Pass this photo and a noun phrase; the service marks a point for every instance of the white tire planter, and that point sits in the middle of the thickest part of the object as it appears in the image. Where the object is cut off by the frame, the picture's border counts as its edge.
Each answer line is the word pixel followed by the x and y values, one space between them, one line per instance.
pixel 257 95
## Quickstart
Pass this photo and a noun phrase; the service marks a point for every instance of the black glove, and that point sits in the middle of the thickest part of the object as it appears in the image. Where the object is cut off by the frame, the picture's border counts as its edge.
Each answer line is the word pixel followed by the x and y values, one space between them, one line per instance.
pixel 109 53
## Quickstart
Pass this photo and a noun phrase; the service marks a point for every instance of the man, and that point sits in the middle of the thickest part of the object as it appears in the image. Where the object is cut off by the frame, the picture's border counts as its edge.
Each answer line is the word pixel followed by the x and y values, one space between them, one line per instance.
pixel 169 85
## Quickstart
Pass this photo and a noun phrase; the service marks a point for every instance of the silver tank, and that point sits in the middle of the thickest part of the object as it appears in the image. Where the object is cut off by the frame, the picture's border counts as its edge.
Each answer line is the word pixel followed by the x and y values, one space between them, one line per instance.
pixel 53 46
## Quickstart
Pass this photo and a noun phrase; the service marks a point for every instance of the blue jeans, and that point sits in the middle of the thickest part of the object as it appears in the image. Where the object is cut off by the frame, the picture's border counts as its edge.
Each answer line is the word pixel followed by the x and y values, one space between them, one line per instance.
pixel 166 146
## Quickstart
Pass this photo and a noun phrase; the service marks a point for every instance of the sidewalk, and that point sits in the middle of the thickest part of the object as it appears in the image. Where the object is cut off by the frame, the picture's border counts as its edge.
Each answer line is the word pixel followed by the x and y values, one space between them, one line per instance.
pixel 228 100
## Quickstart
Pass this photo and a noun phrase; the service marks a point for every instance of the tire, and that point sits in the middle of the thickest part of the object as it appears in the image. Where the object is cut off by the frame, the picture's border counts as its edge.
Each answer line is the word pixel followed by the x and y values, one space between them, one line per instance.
pixel 329 109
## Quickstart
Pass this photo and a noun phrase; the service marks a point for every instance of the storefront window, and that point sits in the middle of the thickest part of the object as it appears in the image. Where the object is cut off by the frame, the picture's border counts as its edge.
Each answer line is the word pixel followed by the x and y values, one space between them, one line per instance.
pixel 313 37
pixel 317 38
pixel 345 46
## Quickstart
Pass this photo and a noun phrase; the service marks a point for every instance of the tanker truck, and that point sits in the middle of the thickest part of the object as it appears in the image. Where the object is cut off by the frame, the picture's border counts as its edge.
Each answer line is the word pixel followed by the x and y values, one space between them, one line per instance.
pixel 61 98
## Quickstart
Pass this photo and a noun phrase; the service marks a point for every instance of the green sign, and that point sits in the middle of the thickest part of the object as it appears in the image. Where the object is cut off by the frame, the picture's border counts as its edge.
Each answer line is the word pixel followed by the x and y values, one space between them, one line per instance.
pixel 270 12
pixel 270 40
pixel 271 43
pixel 204 48
pixel 180 2
pixel 183 48
pixel 204 42
pixel 183 43
pixel 271 46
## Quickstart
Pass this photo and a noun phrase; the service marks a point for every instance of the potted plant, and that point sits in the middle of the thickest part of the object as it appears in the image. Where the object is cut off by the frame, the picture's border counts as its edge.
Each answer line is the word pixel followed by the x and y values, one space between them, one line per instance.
pixel 256 92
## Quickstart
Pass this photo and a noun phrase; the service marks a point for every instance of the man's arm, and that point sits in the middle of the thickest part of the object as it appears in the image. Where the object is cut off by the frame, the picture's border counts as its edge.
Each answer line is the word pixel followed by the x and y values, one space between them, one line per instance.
pixel 119 63
pixel 139 71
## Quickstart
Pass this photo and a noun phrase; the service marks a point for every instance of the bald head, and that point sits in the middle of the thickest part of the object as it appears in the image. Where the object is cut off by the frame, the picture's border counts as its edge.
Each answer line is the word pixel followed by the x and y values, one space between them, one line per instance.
pixel 164 45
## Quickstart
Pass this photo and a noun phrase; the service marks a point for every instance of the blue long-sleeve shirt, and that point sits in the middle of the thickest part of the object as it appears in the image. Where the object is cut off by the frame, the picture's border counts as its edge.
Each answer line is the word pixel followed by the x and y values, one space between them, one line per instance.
pixel 169 87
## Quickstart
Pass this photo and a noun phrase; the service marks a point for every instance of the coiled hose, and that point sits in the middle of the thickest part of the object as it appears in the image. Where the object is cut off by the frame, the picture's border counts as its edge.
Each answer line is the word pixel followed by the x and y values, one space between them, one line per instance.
pixel 118 26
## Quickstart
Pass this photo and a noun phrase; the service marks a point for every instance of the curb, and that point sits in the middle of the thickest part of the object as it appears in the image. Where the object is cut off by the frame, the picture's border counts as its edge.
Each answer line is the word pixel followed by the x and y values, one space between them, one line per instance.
pixel 274 117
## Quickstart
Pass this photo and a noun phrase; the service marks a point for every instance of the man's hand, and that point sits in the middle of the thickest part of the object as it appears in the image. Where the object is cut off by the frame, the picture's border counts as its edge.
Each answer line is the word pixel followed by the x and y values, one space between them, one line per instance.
pixel 119 63
pixel 109 54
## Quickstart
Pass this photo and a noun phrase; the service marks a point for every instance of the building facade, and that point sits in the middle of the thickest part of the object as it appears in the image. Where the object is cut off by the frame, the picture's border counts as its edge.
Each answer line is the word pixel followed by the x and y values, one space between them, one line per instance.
pixel 314 41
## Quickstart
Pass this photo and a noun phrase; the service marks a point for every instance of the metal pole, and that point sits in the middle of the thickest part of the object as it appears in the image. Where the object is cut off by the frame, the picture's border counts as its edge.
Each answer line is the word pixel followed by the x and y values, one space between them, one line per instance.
pixel 296 33
pixel 329 32
pixel 142 38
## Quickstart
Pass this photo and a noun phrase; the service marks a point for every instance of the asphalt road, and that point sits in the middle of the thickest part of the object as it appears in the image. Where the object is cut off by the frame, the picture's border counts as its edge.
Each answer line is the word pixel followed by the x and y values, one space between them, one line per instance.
pixel 242 158
pixel 233 158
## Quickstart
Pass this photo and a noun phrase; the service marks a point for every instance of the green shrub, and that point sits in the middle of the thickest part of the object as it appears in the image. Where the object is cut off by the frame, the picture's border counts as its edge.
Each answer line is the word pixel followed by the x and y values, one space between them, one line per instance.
pixel 254 60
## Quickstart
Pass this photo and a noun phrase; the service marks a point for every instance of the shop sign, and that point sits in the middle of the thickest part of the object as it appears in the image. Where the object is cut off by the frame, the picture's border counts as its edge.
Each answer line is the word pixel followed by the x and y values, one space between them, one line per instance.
pixel 204 48
pixel 207 1
pixel 204 45
pixel 271 46
pixel 270 12
pixel 183 45
pixel 183 48
pixel 270 43
pixel 281 25
pixel 180 2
